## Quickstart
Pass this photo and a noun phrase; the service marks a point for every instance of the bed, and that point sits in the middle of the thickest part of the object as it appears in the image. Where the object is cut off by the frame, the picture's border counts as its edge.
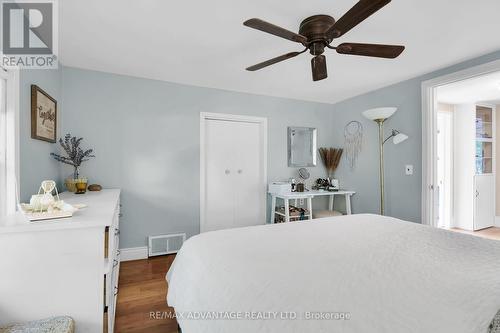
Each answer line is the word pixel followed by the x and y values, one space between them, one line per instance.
pixel 357 273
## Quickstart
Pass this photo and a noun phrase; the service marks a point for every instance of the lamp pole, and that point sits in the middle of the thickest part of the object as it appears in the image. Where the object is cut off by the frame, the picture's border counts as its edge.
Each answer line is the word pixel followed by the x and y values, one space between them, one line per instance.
pixel 380 123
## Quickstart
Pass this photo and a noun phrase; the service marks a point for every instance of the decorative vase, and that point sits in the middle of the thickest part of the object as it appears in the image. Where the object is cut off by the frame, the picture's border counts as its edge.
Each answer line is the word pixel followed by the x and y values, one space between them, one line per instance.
pixel 81 186
pixel 70 184
pixel 78 186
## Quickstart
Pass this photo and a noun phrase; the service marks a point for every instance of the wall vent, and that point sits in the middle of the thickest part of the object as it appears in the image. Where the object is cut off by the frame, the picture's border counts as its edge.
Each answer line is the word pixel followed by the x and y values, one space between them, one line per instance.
pixel 165 244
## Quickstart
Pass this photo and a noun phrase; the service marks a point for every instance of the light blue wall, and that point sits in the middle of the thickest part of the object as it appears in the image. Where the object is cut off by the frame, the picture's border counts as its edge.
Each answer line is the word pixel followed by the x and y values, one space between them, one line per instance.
pixel 35 161
pixel 146 138
pixel 403 193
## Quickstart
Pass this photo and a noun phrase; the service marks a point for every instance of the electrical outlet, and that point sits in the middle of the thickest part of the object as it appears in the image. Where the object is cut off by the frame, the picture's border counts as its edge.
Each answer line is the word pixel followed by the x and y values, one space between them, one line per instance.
pixel 409 170
pixel 301 202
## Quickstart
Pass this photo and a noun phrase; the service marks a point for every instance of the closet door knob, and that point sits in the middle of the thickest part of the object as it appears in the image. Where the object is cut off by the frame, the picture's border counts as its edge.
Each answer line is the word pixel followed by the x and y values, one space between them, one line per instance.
pixel 227 172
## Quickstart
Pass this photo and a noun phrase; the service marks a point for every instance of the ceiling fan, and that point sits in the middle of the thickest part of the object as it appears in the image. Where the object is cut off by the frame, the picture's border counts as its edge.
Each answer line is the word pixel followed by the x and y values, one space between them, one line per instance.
pixel 318 31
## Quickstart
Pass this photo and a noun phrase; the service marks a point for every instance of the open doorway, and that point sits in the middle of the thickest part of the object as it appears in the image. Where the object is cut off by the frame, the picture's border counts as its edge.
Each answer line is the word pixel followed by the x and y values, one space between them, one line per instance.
pixel 462 161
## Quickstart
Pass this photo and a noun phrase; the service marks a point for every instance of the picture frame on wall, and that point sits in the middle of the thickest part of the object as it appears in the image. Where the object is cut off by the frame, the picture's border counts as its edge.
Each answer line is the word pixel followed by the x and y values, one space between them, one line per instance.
pixel 43 115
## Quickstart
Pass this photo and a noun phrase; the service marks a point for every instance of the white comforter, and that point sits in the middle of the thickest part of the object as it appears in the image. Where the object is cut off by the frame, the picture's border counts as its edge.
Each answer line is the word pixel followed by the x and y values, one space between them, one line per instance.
pixel 358 273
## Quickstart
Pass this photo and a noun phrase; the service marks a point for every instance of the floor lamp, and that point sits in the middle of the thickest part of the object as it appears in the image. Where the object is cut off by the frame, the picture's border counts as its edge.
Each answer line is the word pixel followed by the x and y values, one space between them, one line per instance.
pixel 380 115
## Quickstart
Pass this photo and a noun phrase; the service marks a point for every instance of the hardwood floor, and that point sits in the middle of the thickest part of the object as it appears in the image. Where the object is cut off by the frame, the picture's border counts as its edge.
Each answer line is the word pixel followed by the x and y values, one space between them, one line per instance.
pixel 490 233
pixel 142 297
pixel 143 291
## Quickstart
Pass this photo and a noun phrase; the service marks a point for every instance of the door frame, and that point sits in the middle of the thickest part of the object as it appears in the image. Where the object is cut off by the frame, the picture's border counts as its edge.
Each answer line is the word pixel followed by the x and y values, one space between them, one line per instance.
pixel 452 168
pixel 429 126
pixel 204 116
pixel 9 178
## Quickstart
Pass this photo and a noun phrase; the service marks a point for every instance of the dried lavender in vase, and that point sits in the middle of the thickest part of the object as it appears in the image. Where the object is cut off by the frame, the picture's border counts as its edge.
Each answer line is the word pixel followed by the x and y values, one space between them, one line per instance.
pixel 75 157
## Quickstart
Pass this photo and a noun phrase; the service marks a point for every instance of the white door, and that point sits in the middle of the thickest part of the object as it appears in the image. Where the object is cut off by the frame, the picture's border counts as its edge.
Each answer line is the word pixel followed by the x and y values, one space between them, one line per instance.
pixel 234 174
pixel 484 205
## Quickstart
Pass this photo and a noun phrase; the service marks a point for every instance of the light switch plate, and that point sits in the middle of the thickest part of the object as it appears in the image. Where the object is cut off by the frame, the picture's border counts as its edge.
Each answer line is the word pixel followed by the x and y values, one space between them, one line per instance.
pixel 409 169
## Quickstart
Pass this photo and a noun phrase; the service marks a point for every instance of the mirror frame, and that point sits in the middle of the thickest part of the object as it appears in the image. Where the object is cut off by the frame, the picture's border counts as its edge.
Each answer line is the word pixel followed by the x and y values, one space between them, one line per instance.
pixel 314 132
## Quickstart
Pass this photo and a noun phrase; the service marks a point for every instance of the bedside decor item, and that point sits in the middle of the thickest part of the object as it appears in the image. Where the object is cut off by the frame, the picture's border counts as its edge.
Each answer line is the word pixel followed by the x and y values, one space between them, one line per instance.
pixel 321 184
pixel 331 159
pixel 75 157
pixel 94 187
pixel 280 187
pixel 380 115
pixel 43 206
pixel 43 115
pixel 304 175
pixel 41 201
pixel 334 185
pixel 353 140
pixel 81 186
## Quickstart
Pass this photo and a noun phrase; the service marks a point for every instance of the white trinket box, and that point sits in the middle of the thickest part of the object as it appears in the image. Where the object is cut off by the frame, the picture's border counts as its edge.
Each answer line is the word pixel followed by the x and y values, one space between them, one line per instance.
pixel 280 187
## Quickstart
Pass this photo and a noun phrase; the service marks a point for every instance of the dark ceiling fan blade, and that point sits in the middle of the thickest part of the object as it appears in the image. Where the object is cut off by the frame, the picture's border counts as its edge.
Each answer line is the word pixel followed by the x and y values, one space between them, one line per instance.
pixel 357 14
pixel 275 30
pixel 371 50
pixel 274 61
pixel 318 66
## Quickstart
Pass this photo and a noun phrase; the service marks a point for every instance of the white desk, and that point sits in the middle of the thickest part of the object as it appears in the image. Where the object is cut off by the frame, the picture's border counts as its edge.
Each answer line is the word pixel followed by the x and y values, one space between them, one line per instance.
pixel 308 196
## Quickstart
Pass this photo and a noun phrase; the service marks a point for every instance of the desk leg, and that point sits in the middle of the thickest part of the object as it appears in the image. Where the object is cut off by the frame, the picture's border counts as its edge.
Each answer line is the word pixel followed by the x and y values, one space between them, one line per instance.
pixel 330 202
pixel 348 204
pixel 310 208
pixel 273 209
pixel 287 211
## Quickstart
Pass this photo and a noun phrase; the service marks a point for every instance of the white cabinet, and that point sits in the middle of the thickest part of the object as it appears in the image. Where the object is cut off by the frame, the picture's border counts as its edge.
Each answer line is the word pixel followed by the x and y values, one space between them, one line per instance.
pixel 474 166
pixel 59 267
pixel 484 201
pixel 233 172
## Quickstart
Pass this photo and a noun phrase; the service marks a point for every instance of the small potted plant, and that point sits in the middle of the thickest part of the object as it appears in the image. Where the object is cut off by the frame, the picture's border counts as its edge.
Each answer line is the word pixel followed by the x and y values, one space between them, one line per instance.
pixel 75 157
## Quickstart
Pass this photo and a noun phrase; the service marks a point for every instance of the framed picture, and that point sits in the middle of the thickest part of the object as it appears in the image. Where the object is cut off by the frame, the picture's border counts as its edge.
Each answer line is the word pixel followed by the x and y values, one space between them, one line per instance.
pixel 43 115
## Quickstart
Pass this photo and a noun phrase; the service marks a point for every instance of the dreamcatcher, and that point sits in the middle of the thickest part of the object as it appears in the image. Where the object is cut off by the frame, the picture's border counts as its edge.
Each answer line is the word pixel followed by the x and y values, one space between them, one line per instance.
pixel 353 134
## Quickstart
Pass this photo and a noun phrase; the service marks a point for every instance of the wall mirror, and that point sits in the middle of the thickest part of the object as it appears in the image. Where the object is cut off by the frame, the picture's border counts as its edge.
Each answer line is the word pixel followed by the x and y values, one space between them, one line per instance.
pixel 302 146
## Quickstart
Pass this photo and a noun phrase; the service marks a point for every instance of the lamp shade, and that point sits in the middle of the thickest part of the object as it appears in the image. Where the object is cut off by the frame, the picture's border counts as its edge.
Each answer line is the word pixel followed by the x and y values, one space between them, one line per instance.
pixel 399 138
pixel 379 113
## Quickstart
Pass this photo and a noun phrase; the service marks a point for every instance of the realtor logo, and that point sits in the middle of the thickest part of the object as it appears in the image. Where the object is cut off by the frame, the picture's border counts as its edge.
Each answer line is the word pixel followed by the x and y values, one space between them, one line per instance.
pixel 29 34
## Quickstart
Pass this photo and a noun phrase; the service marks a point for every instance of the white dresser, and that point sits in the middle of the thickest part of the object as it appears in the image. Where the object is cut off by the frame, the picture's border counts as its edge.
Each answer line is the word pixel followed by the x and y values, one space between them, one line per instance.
pixel 63 267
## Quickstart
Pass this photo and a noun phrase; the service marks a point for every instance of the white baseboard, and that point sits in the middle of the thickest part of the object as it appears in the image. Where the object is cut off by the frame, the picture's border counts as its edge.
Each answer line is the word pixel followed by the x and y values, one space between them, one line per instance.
pixel 134 253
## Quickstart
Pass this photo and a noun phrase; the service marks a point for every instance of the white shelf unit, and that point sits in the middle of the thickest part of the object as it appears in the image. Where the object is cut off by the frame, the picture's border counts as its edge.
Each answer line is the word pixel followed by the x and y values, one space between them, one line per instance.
pixel 474 166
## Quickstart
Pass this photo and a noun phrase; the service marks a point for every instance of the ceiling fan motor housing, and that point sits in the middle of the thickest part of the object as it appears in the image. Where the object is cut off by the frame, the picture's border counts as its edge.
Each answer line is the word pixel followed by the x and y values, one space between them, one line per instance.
pixel 315 28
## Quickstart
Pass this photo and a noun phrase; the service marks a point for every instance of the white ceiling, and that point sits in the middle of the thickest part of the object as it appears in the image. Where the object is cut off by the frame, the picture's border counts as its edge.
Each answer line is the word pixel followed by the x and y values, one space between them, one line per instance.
pixel 484 88
pixel 204 43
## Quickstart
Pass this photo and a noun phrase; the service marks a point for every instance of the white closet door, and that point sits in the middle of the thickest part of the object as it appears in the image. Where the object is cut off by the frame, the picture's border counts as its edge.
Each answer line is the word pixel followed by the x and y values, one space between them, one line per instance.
pixel 220 174
pixel 484 207
pixel 234 174
pixel 249 175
